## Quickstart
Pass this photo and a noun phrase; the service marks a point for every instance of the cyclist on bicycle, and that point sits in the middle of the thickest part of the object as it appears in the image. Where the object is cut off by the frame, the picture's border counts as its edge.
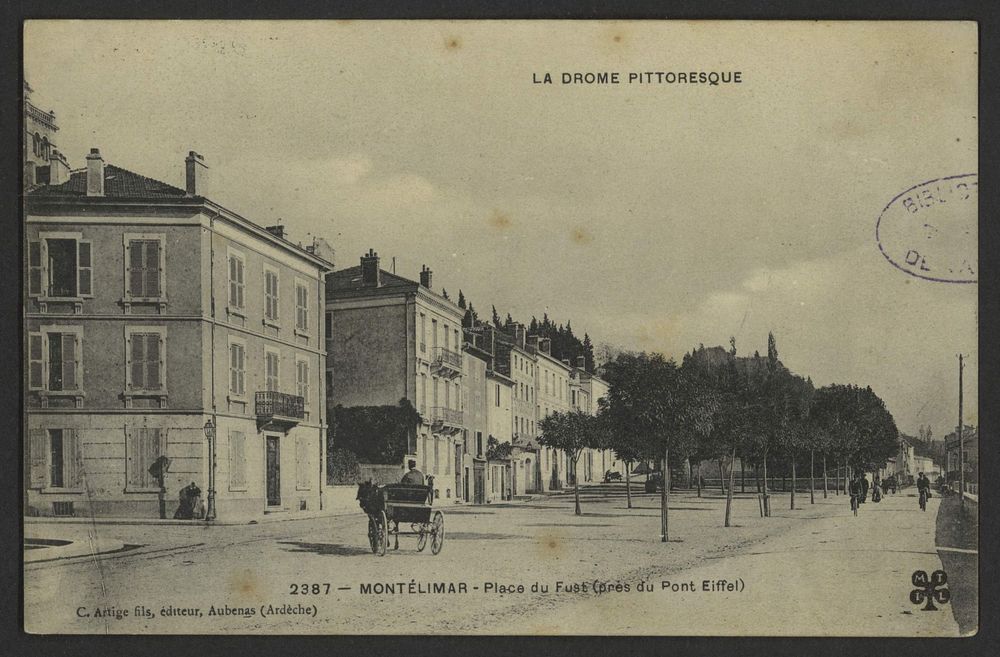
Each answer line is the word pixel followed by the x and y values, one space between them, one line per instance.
pixel 855 491
pixel 924 489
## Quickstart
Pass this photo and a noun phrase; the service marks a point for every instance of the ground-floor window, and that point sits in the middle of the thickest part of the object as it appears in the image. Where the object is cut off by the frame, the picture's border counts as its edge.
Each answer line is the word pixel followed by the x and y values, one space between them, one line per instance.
pixel 143 445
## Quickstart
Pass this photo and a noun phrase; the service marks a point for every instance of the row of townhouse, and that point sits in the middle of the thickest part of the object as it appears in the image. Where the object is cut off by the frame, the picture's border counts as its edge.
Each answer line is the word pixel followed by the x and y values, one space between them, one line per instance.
pixel 394 338
pixel 168 341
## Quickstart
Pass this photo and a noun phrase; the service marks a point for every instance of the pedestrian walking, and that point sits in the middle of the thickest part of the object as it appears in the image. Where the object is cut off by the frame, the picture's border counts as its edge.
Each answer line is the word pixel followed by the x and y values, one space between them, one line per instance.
pixel 876 491
pixel 864 488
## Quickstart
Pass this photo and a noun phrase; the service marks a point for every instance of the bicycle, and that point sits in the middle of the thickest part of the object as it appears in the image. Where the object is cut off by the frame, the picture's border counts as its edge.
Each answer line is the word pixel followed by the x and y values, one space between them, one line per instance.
pixel 923 500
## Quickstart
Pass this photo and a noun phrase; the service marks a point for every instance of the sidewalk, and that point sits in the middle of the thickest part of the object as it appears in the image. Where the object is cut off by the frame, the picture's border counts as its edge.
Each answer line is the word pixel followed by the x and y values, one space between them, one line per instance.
pixel 276 516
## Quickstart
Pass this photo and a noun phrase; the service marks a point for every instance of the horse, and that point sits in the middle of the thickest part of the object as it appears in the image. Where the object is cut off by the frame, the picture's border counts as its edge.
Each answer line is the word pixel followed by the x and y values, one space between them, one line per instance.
pixel 368 497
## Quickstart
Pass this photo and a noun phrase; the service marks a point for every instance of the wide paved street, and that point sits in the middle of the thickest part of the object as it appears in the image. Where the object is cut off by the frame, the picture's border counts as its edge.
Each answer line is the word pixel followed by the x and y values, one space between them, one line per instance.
pixel 815 570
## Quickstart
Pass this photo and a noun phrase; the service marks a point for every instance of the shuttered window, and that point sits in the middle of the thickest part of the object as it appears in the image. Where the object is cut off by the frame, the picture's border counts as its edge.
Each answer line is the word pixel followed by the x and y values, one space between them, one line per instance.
pixel 271 370
pixel 302 379
pixel 303 463
pixel 145 356
pixel 143 445
pixel 237 369
pixel 56 459
pixel 301 307
pixel 236 281
pixel 237 460
pixel 60 267
pixel 271 295
pixel 63 361
pixel 144 268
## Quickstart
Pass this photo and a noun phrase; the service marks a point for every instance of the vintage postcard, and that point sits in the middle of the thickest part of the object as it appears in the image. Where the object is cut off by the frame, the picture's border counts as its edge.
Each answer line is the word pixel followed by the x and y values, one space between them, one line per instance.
pixel 500 328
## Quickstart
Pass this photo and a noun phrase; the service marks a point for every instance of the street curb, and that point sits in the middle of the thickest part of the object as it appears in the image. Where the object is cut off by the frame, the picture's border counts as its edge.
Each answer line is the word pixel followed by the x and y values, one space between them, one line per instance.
pixel 269 518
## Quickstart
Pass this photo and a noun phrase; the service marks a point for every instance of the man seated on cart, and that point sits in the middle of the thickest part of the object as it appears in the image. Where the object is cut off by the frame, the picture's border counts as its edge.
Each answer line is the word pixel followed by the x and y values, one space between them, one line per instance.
pixel 414 477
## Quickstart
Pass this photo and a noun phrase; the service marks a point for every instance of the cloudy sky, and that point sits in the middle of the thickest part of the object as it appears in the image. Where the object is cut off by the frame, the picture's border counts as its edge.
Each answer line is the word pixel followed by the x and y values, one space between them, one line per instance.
pixel 655 216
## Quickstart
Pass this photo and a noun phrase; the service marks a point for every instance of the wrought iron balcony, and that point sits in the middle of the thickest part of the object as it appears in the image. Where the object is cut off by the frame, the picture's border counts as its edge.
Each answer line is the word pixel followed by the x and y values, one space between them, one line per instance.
pixel 278 409
pixel 447 362
pixel 446 418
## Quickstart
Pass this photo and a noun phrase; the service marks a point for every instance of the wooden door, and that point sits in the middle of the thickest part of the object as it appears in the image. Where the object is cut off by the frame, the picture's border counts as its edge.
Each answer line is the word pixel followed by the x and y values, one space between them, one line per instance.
pixel 273 471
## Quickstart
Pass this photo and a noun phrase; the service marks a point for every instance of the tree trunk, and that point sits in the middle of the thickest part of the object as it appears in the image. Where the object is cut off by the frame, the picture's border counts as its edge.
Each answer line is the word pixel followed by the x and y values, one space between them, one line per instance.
pixel 812 476
pixel 792 503
pixel 722 477
pixel 767 507
pixel 664 496
pixel 824 476
pixel 576 486
pixel 743 478
pixel 690 473
pixel 699 478
pixel 628 485
pixel 729 493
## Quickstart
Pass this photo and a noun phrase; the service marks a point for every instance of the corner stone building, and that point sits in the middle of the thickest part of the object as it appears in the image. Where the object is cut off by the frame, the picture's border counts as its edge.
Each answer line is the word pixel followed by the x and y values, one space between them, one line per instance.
pixel 160 324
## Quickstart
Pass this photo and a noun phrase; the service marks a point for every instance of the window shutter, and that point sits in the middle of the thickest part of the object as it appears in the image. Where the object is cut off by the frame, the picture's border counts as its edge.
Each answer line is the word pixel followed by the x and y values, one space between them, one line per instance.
pixel 72 459
pixel 241 370
pixel 237 460
pixel 153 361
pixel 84 269
pixel 239 287
pixel 70 361
pixel 133 269
pixel 34 268
pixel 131 457
pixel 152 262
pixel 137 356
pixel 36 362
pixel 39 458
pixel 232 281
pixel 302 463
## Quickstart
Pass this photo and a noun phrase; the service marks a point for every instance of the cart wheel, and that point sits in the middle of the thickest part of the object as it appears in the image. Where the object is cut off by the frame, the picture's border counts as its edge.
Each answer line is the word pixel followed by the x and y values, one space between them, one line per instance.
pixel 437 532
pixel 422 538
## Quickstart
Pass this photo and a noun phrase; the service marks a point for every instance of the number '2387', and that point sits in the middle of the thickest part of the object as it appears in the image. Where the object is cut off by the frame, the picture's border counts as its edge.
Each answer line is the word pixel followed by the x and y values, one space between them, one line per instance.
pixel 309 589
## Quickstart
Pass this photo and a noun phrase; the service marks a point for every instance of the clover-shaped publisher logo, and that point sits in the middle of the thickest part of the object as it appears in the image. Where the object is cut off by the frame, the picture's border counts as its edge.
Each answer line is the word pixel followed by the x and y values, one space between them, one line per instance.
pixel 930 590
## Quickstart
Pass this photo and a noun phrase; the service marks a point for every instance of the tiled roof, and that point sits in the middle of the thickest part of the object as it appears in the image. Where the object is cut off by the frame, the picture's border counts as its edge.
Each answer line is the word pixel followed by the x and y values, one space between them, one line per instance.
pixel 118 183
pixel 350 279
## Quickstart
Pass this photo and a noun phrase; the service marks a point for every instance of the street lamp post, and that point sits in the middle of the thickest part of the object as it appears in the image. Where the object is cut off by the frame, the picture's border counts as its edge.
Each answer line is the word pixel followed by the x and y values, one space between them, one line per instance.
pixel 210 434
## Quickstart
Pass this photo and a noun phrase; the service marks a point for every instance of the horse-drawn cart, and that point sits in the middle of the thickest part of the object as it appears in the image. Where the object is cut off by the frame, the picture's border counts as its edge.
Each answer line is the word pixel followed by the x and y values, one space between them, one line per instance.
pixel 388 506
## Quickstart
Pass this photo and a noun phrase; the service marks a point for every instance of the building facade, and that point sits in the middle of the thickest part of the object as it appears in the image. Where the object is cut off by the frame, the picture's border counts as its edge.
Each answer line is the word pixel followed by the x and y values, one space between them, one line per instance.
pixel 553 385
pixel 392 338
pixel 163 329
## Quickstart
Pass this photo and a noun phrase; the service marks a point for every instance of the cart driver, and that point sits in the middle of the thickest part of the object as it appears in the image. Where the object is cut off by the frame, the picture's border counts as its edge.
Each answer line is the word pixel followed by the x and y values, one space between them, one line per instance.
pixel 414 476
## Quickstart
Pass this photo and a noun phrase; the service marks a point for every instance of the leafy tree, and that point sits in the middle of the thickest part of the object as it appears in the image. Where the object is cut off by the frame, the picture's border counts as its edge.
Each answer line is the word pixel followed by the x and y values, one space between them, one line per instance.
pixel 626 446
pixel 496 319
pixel 496 450
pixel 461 299
pixel 651 401
pixel 572 432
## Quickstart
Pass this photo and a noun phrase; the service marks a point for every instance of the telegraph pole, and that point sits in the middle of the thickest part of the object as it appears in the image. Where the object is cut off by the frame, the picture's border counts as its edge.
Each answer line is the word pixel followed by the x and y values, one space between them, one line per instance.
pixel 961 446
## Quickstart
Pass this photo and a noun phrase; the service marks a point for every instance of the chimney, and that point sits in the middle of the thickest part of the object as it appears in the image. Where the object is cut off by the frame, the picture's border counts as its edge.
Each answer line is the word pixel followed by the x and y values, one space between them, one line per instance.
pixel 277 230
pixel 520 335
pixel 533 341
pixel 581 362
pixel 58 168
pixel 95 173
pixel 545 345
pixel 425 276
pixel 195 174
pixel 370 272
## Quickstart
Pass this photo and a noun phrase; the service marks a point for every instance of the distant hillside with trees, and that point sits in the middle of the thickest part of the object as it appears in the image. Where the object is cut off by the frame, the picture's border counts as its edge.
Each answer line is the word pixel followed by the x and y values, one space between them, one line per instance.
pixel 565 343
